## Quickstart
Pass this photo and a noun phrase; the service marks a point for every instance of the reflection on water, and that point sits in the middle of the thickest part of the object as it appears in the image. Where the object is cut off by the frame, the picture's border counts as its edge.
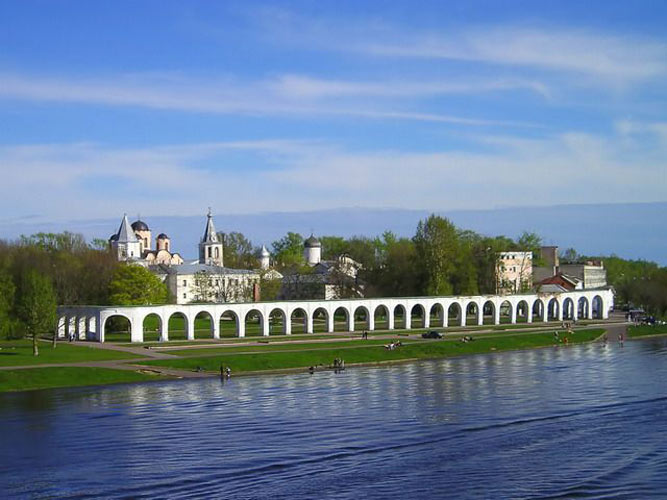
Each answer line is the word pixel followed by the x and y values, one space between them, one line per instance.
pixel 585 421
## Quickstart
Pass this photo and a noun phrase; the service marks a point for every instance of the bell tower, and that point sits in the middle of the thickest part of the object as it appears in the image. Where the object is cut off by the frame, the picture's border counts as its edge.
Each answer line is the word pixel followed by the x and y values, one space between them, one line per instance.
pixel 210 246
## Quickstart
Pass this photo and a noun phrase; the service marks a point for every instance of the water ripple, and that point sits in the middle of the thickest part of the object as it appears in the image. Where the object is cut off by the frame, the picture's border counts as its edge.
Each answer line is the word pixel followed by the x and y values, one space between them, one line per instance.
pixel 577 422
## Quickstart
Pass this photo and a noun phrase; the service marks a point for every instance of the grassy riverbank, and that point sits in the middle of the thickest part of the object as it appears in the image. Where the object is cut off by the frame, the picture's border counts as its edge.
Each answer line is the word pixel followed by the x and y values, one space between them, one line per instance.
pixel 48 378
pixel 19 353
pixel 248 356
pixel 279 360
pixel 646 330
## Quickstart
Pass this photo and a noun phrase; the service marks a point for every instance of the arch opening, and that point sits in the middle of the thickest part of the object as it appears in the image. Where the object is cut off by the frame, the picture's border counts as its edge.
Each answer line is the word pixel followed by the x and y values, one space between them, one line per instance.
pixel 152 326
pixel 277 322
pixel 229 324
pixel 381 317
pixel 417 316
pixel 320 320
pixel 454 316
pixel 299 321
pixel 472 311
pixel 254 323
pixel 204 325
pixel 177 326
pixel 583 308
pixel 117 328
pixel 596 306
pixel 568 309
pixel 399 317
pixel 341 316
pixel 489 313
pixel 505 310
pixel 552 310
pixel 437 316
pixel 522 311
pixel 538 311
pixel 361 319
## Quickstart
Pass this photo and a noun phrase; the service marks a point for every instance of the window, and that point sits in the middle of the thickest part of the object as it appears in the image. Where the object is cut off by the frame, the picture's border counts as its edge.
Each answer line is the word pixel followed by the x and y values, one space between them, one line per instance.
pixel 185 282
pixel 185 295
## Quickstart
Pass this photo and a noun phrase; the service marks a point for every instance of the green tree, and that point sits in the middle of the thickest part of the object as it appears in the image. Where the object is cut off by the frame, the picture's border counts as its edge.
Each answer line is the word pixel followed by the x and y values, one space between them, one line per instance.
pixel 36 306
pixel 239 252
pixel 396 273
pixel 288 250
pixel 135 285
pixel 333 246
pixel 7 293
pixel 436 244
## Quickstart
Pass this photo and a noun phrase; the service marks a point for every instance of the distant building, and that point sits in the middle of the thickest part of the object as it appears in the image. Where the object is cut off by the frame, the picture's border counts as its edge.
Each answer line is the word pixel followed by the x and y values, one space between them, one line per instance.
pixel 590 274
pixel 559 283
pixel 514 272
pixel 204 280
pixel 198 282
pixel 326 279
pixel 132 243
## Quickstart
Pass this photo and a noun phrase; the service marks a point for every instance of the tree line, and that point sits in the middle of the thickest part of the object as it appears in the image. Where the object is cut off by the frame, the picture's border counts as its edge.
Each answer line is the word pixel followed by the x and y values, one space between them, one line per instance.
pixel 39 271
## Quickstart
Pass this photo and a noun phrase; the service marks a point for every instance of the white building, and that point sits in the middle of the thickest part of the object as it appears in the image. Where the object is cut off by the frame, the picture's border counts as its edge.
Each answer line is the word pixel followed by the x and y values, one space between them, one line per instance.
pixel 132 243
pixel 514 272
pixel 326 279
pixel 207 280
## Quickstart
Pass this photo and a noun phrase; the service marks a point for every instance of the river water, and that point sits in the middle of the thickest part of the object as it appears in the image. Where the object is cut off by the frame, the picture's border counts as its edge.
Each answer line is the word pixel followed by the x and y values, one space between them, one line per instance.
pixel 570 422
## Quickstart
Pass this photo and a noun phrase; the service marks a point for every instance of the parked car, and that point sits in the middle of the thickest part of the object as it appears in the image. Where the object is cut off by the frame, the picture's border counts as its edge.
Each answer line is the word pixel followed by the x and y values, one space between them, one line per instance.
pixel 432 335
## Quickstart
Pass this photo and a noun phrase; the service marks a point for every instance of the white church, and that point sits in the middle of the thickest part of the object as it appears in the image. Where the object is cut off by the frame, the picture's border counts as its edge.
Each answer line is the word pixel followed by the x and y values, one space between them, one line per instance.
pixel 208 280
pixel 203 280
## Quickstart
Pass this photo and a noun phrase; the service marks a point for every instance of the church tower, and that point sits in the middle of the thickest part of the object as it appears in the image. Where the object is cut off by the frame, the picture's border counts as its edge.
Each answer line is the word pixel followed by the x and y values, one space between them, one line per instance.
pixel 124 243
pixel 264 258
pixel 210 247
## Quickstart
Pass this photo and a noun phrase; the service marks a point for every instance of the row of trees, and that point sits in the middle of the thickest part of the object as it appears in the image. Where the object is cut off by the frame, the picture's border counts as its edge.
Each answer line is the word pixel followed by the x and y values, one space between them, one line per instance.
pixel 40 271
pixel 440 259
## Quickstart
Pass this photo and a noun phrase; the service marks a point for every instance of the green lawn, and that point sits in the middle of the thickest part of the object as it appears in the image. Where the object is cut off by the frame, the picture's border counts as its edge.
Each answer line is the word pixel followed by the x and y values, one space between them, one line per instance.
pixel 19 352
pixel 46 378
pixel 370 354
pixel 643 330
pixel 278 346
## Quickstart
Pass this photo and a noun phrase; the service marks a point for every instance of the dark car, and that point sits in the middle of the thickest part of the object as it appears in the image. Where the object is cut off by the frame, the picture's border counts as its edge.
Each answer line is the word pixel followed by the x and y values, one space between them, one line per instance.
pixel 432 335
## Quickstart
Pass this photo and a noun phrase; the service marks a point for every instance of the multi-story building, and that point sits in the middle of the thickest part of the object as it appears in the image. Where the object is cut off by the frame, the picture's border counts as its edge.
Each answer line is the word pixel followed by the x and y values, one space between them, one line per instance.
pixel 514 272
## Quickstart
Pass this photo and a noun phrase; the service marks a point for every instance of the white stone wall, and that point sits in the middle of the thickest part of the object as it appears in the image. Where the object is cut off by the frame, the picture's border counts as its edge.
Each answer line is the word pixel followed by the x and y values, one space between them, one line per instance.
pixel 89 322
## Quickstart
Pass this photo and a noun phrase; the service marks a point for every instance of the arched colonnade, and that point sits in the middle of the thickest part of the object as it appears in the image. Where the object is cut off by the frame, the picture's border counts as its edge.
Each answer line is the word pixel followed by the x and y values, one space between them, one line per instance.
pixel 88 322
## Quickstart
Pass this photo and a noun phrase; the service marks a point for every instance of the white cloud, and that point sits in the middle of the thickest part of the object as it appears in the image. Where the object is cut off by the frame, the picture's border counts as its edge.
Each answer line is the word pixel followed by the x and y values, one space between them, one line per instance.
pixel 606 56
pixel 609 59
pixel 289 95
pixel 95 181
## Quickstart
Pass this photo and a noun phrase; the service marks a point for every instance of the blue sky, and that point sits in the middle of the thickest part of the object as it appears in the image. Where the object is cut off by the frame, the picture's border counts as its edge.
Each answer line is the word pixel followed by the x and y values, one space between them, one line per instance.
pixel 168 107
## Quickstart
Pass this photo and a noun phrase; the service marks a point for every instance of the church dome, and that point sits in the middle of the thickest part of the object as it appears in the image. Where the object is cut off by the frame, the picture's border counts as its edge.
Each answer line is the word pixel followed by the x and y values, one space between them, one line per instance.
pixel 140 225
pixel 162 236
pixel 312 242
pixel 264 252
pixel 113 237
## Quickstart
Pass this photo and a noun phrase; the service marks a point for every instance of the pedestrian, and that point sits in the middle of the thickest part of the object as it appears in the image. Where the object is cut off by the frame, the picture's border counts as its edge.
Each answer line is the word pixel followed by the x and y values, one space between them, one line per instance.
pixel 222 371
pixel 228 372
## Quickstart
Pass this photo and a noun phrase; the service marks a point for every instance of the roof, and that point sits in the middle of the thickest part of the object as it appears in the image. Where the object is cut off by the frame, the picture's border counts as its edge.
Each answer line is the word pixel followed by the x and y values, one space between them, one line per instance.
pixel 140 225
pixel 125 234
pixel 551 289
pixel 162 236
pixel 312 242
pixel 206 268
pixel 210 234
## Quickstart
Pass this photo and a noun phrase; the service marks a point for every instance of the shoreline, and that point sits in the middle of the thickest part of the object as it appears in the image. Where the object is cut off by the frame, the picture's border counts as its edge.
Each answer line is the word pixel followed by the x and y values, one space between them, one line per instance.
pixel 145 371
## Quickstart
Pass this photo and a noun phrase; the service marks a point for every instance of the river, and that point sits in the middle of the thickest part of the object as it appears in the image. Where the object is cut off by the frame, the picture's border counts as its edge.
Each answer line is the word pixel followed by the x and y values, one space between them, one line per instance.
pixel 580 421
